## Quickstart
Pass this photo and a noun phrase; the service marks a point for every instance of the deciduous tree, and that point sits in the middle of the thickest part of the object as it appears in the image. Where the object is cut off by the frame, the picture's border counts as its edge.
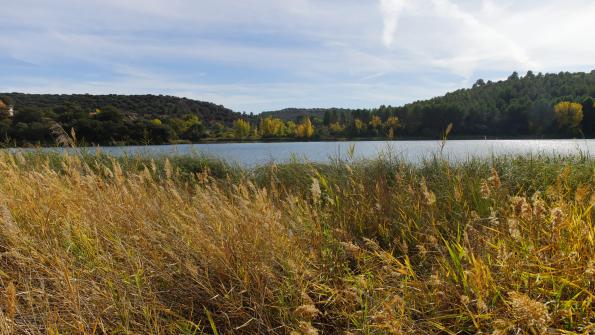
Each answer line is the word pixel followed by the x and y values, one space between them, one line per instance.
pixel 241 128
pixel 305 129
pixel 569 114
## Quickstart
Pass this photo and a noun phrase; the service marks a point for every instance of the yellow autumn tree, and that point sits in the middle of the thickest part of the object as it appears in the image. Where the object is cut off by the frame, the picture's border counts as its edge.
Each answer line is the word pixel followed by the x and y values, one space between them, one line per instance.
pixel 3 105
pixel 241 128
pixel 336 128
pixel 272 127
pixel 391 124
pixel 305 129
pixel 309 128
pixel 376 122
pixel 569 114
pixel 359 125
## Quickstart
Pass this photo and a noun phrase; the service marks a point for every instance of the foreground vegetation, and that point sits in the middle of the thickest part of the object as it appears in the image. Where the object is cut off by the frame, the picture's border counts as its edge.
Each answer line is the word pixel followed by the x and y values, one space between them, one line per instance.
pixel 94 244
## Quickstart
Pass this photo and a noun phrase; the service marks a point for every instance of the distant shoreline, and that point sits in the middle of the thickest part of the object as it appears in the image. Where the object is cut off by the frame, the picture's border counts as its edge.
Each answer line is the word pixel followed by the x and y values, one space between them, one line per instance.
pixel 380 139
pixel 290 140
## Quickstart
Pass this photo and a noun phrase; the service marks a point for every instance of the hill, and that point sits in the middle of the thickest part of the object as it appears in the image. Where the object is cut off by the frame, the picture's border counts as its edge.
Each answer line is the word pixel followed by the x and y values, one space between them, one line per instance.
pixel 294 114
pixel 112 119
pixel 535 105
pixel 515 107
pixel 147 105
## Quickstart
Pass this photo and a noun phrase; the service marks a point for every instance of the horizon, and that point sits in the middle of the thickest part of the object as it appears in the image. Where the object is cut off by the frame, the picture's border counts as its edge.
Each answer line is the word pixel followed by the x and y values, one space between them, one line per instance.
pixel 298 107
pixel 259 56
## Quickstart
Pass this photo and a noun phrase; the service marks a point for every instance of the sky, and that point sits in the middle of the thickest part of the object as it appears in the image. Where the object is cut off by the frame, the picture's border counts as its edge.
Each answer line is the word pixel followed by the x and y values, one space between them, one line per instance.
pixel 259 55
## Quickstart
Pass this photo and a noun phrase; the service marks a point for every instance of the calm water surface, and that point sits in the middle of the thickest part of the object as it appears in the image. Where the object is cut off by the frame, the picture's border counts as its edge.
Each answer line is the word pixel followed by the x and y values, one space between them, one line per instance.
pixel 412 151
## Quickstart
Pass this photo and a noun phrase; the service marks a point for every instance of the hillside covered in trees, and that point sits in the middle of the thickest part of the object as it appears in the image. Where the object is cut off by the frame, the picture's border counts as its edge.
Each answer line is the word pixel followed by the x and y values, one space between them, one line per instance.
pixel 534 105
pixel 518 106
pixel 110 119
pixel 526 106
pixel 292 114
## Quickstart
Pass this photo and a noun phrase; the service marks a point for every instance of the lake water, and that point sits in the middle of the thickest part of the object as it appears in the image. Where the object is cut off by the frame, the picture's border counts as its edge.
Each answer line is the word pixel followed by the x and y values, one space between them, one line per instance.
pixel 413 151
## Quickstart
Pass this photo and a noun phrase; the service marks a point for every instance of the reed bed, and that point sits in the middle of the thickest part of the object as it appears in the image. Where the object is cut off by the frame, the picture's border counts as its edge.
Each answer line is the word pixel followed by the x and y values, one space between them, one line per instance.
pixel 92 244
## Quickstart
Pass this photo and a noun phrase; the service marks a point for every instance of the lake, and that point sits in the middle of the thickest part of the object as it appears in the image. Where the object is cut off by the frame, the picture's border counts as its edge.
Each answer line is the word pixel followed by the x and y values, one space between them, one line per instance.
pixel 413 151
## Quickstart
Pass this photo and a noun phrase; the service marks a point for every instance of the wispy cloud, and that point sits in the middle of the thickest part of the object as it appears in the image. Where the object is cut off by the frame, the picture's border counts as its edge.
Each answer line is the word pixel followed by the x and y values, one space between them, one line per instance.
pixel 476 42
pixel 391 10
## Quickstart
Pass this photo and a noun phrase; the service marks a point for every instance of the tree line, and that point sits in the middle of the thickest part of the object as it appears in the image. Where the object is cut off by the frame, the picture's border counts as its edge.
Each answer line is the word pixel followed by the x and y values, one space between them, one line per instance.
pixel 533 105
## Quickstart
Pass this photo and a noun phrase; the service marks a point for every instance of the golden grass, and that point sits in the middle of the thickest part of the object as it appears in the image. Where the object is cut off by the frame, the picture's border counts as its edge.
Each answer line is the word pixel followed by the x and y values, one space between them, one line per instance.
pixel 95 246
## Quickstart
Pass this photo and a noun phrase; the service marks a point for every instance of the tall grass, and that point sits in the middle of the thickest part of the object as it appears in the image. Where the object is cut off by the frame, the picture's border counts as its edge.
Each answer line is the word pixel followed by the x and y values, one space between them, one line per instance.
pixel 94 244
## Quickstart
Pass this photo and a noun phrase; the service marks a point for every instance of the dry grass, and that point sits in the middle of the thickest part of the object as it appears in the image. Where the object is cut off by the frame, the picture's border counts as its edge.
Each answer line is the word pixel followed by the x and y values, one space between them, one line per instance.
pixel 99 245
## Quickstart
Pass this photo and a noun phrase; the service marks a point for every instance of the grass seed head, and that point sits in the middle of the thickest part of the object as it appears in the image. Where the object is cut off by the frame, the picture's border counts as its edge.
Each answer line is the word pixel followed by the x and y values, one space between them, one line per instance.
pixel 590 269
pixel 11 300
pixel 315 190
pixel 495 179
pixel 557 217
pixel 351 249
pixel 464 300
pixel 582 192
pixel 513 229
pixel 307 312
pixel 485 190
pixel 538 206
pixel 306 328
pixel 529 314
pixel 429 196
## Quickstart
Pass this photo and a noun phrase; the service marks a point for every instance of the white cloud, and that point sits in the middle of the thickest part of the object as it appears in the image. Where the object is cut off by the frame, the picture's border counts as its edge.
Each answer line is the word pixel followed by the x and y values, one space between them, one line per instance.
pixel 261 54
pixel 469 37
pixel 391 10
pixel 476 42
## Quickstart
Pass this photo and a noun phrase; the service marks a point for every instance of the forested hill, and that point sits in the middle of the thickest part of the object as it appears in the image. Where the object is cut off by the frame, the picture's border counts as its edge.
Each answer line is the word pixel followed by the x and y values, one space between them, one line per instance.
pixel 110 119
pixel 292 114
pixel 520 106
pixel 534 105
pixel 517 106
pixel 150 106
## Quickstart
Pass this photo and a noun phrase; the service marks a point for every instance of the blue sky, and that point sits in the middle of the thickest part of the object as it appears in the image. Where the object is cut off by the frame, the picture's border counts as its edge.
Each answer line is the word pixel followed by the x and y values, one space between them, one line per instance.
pixel 256 55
